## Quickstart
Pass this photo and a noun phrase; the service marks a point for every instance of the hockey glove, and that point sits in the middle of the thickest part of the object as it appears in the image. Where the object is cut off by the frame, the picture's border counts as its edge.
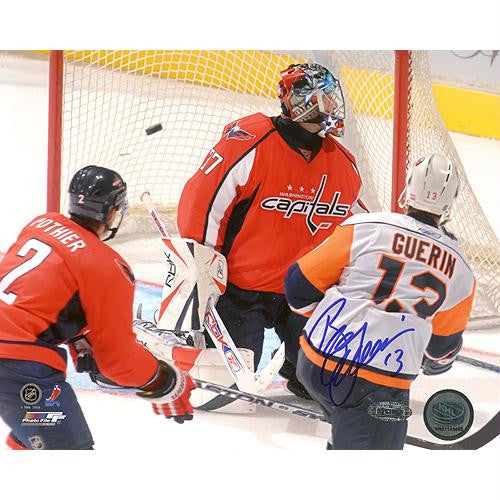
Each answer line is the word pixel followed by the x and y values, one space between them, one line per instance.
pixel 436 366
pixel 171 399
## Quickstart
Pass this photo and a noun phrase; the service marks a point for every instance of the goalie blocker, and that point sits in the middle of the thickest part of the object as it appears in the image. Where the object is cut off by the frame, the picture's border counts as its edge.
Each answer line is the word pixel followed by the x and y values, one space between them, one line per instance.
pixel 195 275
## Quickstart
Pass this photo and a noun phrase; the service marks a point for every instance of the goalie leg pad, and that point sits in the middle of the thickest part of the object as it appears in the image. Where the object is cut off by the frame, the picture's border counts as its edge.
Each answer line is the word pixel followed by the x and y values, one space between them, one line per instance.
pixel 210 367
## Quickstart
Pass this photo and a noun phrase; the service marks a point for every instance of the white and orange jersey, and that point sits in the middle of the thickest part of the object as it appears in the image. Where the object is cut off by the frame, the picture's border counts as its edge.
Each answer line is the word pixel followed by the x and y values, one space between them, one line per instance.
pixel 263 204
pixel 379 291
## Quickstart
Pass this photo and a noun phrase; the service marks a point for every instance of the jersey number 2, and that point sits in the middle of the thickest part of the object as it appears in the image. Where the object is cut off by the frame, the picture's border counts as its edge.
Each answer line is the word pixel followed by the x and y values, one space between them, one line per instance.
pixel 392 269
pixel 42 251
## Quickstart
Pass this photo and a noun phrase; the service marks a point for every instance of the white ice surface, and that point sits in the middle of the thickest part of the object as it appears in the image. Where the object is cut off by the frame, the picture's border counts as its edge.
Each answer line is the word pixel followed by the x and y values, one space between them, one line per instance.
pixel 114 419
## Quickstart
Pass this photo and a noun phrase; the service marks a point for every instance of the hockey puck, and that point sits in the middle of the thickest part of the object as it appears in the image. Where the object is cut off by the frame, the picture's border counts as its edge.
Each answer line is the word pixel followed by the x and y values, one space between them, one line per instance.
pixel 153 129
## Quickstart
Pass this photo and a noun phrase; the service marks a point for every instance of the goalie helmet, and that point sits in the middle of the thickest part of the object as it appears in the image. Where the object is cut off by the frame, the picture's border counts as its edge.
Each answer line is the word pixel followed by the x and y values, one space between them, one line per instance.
pixel 309 93
pixel 431 186
pixel 94 192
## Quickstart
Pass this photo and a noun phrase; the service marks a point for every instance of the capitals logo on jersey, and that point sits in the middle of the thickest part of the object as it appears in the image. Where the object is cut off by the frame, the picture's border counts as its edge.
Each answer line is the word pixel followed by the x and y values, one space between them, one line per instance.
pixel 235 132
pixel 309 208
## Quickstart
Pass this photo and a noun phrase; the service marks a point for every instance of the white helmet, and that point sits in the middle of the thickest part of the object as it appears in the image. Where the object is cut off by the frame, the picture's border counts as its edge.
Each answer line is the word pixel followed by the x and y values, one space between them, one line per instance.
pixel 431 186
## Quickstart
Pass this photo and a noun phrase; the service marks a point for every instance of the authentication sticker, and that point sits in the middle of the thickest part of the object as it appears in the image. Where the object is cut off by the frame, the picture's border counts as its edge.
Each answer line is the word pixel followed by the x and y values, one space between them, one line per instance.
pixel 448 414
pixel 389 411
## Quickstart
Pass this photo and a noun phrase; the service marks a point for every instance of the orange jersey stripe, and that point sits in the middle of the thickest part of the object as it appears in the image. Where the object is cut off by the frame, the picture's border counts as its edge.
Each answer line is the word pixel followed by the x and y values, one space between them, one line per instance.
pixel 330 365
pixel 323 266
pixel 453 320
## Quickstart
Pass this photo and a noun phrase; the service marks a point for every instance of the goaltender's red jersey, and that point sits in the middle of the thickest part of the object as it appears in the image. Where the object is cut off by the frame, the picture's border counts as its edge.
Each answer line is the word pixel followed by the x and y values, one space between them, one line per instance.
pixel 58 279
pixel 263 204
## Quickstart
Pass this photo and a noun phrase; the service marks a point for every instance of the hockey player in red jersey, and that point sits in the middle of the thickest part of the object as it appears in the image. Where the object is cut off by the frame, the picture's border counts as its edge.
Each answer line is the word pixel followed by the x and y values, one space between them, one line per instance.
pixel 270 190
pixel 60 284
pixel 382 293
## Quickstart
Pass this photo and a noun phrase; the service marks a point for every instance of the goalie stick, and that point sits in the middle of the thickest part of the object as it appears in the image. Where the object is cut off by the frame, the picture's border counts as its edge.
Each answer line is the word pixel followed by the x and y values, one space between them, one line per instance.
pixel 245 379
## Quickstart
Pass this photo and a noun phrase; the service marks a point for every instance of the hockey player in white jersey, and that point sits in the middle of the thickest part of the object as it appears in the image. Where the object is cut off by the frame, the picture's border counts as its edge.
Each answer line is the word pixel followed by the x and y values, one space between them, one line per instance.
pixel 386 294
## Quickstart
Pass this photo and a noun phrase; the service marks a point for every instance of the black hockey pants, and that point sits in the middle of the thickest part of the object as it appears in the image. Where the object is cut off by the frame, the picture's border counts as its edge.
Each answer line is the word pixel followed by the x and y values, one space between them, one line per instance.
pixel 353 428
pixel 246 313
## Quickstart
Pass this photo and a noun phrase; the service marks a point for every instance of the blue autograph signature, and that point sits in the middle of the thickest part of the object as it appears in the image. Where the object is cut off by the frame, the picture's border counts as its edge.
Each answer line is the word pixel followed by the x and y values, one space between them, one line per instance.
pixel 338 346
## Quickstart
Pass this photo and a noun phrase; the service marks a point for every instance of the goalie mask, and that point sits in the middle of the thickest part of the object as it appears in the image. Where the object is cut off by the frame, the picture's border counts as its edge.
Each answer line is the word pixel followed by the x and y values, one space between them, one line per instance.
pixel 94 193
pixel 431 186
pixel 309 93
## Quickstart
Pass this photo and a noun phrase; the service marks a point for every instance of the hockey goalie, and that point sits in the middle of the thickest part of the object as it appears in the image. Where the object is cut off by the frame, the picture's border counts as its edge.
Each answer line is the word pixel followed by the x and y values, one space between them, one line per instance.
pixel 241 202
pixel 195 277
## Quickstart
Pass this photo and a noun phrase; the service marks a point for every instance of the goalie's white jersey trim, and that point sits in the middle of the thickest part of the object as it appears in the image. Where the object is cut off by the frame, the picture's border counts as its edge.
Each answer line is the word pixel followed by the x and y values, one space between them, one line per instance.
pixel 237 176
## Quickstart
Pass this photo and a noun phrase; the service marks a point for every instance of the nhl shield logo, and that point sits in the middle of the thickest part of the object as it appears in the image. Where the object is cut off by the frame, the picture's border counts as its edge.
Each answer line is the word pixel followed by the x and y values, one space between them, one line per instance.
pixel 36 443
pixel 30 394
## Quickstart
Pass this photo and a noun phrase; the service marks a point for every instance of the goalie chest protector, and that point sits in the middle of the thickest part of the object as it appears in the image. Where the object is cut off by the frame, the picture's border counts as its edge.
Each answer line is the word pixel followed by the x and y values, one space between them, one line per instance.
pixel 263 204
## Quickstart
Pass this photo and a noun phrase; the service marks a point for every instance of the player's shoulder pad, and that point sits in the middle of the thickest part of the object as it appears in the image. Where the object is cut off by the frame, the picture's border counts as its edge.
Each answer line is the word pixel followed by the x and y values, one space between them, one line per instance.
pixel 247 130
pixel 105 265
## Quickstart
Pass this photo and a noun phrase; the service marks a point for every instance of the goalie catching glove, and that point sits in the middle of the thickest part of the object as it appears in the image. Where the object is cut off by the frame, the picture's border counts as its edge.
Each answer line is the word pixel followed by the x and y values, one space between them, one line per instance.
pixel 169 393
pixel 195 275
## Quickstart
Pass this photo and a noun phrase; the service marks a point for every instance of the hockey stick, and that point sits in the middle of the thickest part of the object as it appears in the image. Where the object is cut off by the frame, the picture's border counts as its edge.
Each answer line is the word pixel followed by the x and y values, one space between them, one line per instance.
pixel 473 442
pixel 259 400
pixel 479 364
pixel 244 378
pixel 484 435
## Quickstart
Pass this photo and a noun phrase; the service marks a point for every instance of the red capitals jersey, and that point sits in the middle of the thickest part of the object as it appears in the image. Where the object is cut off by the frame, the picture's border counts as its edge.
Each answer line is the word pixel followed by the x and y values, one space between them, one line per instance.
pixel 58 279
pixel 263 204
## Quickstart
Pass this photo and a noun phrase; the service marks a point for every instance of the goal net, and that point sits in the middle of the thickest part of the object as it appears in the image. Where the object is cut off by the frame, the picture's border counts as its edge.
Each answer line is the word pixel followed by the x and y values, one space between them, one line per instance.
pixel 110 98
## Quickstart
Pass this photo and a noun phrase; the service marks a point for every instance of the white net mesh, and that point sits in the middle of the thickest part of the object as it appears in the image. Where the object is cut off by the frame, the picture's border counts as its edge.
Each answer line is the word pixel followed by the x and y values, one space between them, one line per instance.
pixel 112 97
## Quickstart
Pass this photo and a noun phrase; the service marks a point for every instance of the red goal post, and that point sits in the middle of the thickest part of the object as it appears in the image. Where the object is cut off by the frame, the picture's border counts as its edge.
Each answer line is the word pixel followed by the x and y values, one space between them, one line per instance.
pixel 100 103
pixel 400 146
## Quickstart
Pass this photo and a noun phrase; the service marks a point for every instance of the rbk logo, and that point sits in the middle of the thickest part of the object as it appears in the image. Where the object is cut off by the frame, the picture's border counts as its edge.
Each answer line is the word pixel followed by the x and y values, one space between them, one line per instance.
pixel 309 208
pixel 235 132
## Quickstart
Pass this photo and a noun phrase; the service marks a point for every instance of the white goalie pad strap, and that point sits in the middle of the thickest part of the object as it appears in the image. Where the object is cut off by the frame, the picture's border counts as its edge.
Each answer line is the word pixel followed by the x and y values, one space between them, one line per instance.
pixel 209 366
pixel 195 274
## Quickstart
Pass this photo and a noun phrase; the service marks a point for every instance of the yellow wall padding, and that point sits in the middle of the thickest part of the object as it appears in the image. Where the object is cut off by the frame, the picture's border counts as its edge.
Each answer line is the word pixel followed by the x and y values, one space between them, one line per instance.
pixel 254 72
pixel 469 111
pixel 246 71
